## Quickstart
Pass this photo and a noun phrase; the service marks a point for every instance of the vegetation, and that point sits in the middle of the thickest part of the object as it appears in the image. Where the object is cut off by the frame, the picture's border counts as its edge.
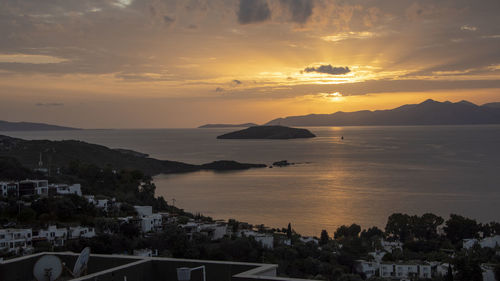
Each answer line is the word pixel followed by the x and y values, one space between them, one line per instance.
pixel 334 258
pixel 59 154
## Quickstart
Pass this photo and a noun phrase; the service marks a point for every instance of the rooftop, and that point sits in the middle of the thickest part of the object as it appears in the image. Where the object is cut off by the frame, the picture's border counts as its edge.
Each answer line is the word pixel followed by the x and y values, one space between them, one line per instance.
pixel 134 268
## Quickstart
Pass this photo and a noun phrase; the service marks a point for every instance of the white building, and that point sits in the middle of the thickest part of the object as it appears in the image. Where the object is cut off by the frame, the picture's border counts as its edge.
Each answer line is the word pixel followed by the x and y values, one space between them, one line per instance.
pixel 377 255
pixel 56 236
pixel 266 239
pixel 34 187
pixel 12 240
pixel 8 188
pixel 390 246
pixel 214 231
pixel 307 239
pixel 488 242
pixel 65 189
pixel 488 272
pixel 143 211
pixel 149 221
pixel 368 268
pixel 442 268
pixel 102 204
pixel 146 253
pixel 81 232
pixel 469 243
pixel 405 270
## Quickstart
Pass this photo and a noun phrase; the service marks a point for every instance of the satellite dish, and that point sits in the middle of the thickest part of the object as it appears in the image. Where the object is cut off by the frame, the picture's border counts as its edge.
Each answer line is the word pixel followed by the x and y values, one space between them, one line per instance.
pixel 81 262
pixel 47 268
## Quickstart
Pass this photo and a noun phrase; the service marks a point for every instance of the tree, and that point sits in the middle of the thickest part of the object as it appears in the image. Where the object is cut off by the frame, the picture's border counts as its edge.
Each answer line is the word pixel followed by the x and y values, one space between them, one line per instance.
pixel 449 274
pixel 399 226
pixel 324 237
pixel 289 231
pixel 458 228
pixel 497 272
pixel 347 231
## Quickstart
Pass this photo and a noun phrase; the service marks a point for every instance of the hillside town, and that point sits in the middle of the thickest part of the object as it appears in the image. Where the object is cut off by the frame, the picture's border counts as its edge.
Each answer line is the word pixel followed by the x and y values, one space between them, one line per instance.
pixel 369 254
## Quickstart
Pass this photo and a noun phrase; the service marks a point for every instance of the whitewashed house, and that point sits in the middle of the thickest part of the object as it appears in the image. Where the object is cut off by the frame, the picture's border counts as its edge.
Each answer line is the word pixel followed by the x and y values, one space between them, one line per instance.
pixel 307 239
pixel 368 268
pixel 65 189
pixel 9 188
pixel 488 242
pixel 56 236
pixel 13 240
pixel 75 232
pixel 377 255
pixel 143 211
pixel 214 231
pixel 442 268
pixel 33 187
pixel 488 272
pixel 266 239
pixel 405 270
pixel 149 221
pixel 390 246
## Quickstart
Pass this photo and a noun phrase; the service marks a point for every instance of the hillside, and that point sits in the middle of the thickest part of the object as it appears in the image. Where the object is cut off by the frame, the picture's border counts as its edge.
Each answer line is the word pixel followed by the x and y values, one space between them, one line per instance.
pixel 429 112
pixel 268 132
pixel 244 125
pixel 28 126
pixel 59 154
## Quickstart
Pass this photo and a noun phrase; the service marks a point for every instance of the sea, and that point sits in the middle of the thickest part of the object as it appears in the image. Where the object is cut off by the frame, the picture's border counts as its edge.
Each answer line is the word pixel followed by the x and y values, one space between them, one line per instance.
pixel 361 178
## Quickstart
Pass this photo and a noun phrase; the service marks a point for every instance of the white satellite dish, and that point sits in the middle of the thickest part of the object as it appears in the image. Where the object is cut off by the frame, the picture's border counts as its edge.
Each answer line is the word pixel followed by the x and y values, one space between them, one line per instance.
pixel 81 262
pixel 47 268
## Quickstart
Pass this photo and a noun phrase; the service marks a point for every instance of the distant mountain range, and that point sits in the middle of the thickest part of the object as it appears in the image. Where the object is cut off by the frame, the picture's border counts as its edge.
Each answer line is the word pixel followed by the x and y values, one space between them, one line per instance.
pixel 244 125
pixel 429 112
pixel 27 126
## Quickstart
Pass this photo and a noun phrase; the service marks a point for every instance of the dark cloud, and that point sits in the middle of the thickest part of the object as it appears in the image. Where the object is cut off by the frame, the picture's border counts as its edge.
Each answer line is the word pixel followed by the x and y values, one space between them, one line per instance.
pixel 328 69
pixel 237 82
pixel 301 10
pixel 252 11
pixel 168 20
pixel 49 104
pixel 219 89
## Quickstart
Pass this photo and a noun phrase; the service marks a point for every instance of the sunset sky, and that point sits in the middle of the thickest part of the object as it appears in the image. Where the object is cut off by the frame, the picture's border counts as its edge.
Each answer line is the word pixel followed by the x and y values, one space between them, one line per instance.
pixel 164 63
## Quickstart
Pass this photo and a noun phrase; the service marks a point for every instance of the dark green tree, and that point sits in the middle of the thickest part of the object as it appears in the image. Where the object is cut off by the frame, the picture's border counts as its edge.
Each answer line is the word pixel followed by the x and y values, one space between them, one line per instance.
pixel 449 274
pixel 324 238
pixel 289 231
pixel 458 228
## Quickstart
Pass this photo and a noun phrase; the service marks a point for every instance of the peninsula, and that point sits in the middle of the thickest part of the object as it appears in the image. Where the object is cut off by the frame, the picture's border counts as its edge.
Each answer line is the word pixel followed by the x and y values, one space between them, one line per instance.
pixel 63 154
pixel 244 125
pixel 269 132
pixel 29 126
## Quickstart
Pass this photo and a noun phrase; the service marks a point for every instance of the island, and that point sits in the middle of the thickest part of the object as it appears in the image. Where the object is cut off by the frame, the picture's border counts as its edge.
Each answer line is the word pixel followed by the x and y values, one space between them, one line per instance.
pixel 244 125
pixel 269 132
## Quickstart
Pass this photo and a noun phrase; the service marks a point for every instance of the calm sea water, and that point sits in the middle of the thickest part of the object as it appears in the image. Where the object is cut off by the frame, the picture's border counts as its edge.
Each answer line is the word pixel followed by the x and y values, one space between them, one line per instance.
pixel 372 173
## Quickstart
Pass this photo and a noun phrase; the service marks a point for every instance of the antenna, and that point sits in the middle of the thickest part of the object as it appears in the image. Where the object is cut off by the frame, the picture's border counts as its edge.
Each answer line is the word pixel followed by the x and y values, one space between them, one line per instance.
pixel 47 268
pixel 40 162
pixel 81 263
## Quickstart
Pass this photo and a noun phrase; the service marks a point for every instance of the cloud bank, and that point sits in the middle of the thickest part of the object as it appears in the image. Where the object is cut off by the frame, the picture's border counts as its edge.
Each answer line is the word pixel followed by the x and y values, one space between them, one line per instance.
pixel 328 69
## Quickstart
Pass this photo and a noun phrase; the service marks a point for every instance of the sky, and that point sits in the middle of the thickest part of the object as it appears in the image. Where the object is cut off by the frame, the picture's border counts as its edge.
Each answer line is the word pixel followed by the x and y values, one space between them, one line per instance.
pixel 167 63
